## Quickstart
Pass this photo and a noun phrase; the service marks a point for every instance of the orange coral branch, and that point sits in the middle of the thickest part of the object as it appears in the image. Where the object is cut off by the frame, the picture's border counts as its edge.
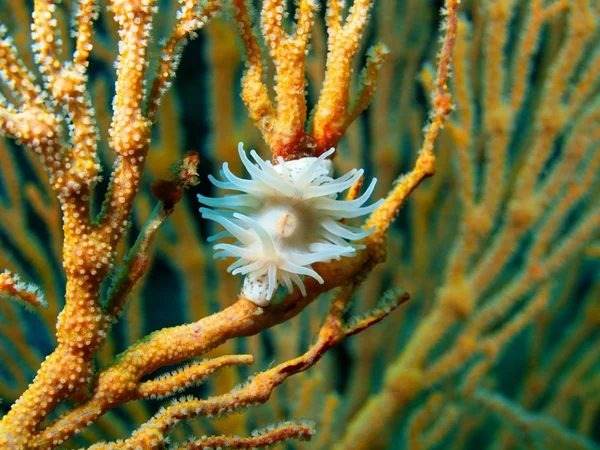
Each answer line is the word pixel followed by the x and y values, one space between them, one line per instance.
pixel 283 125
pixel 14 288
pixel 254 91
pixel 188 376
pixel 426 161
pixel 260 387
pixel 193 15
pixel 329 118
pixel 368 81
pixel 260 438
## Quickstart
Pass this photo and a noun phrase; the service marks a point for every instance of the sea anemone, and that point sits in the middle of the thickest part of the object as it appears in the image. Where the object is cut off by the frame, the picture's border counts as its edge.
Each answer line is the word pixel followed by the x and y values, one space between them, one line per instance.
pixel 287 218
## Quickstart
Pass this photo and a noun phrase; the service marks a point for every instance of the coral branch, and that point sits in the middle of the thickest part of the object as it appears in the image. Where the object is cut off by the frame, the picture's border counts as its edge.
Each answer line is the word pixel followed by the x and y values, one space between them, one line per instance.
pixel 260 438
pixel 383 216
pixel 130 130
pixel 169 192
pixel 29 295
pixel 260 387
pixel 283 125
pixel 329 117
pixel 15 76
pixel 190 375
pixel 390 301
pixel 368 80
pixel 193 16
pixel 254 92
pixel 89 247
pixel 288 54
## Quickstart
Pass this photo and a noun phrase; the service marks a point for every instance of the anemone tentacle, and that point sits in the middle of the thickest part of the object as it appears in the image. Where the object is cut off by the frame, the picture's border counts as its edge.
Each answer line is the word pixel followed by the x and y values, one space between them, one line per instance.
pixel 285 218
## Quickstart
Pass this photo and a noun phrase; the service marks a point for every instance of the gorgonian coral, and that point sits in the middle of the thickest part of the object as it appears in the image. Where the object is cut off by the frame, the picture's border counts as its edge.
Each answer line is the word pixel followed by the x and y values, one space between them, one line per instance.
pixel 287 218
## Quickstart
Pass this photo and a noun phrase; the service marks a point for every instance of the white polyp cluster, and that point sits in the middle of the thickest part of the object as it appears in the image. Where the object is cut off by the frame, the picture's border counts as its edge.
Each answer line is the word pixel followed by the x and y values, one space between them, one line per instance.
pixel 285 218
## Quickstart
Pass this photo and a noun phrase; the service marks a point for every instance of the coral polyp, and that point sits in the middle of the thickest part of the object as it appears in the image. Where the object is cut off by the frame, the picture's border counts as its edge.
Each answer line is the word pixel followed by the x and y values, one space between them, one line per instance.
pixel 286 219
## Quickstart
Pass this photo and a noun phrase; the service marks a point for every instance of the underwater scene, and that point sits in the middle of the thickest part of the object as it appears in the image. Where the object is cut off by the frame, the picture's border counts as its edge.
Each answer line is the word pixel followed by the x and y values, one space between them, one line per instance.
pixel 309 224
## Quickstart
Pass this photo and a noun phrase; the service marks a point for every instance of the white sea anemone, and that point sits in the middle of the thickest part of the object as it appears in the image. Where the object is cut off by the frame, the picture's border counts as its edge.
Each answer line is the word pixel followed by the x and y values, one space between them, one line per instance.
pixel 286 219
